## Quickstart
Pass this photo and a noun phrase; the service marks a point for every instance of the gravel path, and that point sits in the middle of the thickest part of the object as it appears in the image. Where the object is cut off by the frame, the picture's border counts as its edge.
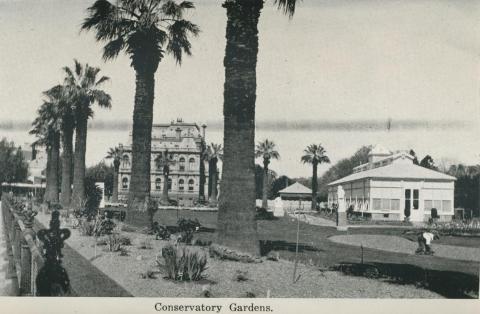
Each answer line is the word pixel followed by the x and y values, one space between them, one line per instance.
pixel 402 245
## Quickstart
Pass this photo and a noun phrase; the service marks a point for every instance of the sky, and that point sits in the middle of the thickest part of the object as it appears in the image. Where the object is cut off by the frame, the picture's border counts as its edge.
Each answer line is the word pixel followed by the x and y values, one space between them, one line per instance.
pixel 333 74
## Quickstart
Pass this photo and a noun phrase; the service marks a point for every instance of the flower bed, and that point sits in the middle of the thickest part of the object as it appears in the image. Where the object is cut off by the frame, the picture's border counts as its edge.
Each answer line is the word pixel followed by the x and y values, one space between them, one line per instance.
pixel 457 228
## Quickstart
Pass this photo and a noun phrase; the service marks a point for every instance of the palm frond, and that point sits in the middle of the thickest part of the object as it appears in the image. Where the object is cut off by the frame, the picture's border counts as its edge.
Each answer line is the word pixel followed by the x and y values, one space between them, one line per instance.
pixel 287 6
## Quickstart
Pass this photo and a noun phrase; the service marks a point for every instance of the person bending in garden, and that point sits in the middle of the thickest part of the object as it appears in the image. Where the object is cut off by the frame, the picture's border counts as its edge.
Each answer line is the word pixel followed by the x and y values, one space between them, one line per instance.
pixel 425 239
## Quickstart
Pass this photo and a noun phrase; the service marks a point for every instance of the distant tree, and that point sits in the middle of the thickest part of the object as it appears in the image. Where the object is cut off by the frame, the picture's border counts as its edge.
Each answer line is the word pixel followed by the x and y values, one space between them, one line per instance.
pixel 427 162
pixel 266 150
pixel 163 162
pixel 13 167
pixel 342 168
pixel 259 175
pixel 102 172
pixel 116 155
pixel 415 159
pixel 315 154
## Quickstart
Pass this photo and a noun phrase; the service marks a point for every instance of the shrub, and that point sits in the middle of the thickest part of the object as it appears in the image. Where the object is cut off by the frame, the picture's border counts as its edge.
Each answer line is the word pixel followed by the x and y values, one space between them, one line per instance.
pixel 263 214
pixel 93 196
pixel 86 227
pixel 183 263
pixel 103 226
pixel 240 275
pixel 113 243
pixel 161 232
pixel 188 227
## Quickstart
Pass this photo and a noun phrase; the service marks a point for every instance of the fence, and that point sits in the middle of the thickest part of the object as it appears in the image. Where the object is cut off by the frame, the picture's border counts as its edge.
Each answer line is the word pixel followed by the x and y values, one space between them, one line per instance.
pixel 25 257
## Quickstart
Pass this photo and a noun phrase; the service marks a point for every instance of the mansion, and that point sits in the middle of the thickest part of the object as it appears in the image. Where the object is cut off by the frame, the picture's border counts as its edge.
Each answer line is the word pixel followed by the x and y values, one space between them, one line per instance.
pixel 184 143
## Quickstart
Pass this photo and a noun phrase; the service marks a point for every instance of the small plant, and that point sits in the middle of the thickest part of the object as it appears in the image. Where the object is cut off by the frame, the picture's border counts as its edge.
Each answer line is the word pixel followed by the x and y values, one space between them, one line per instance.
pixel 113 243
pixel 148 275
pixel 161 232
pixel 123 252
pixel 187 228
pixel 250 294
pixel 183 263
pixel 146 244
pixel 103 226
pixel 86 227
pixel 240 275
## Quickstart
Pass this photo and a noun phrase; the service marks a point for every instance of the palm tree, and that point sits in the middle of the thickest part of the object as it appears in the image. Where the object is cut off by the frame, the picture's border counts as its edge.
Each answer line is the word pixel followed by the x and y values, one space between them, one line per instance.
pixel 83 87
pixel 266 150
pixel 146 30
pixel 46 127
pixel 163 162
pixel 214 153
pixel 63 104
pixel 237 227
pixel 116 155
pixel 315 155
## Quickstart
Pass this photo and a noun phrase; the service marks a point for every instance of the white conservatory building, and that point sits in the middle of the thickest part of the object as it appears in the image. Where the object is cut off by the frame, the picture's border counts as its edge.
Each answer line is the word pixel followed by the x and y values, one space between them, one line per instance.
pixel 390 183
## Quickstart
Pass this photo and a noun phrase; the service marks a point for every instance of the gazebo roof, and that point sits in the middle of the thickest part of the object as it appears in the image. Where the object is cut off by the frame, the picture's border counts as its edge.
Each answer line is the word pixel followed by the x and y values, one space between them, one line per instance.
pixel 296 188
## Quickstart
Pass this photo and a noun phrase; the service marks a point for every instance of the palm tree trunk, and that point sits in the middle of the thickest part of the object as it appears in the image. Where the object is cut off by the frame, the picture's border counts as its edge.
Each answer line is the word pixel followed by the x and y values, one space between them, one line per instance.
pixel 141 139
pixel 265 185
pixel 52 170
pixel 78 196
pixel 48 185
pixel 237 227
pixel 66 185
pixel 115 185
pixel 164 198
pixel 212 200
pixel 314 186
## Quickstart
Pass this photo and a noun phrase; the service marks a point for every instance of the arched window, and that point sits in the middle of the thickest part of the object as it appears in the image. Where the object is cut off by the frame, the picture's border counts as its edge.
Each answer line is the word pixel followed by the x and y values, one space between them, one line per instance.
pixel 158 184
pixel 125 161
pixel 169 184
pixel 181 183
pixel 191 163
pixel 125 183
pixel 191 182
pixel 181 163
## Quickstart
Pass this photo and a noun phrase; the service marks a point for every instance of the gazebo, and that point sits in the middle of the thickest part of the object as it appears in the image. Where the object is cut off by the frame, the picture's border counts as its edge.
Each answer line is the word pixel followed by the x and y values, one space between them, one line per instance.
pixel 296 196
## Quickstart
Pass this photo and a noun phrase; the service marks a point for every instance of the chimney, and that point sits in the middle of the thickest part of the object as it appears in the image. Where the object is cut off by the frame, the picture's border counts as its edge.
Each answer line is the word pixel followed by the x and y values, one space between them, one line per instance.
pixel 204 126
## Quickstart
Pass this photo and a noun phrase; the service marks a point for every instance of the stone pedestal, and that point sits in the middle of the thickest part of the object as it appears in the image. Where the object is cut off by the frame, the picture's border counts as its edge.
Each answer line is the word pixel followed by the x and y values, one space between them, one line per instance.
pixel 342 223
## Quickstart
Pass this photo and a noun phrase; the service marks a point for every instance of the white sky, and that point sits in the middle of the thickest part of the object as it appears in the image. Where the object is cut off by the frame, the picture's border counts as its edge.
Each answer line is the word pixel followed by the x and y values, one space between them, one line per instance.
pixel 334 61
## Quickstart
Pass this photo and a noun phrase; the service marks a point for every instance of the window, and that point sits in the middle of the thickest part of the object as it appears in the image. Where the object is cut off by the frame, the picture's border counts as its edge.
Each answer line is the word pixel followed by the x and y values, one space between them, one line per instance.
pixel 125 183
pixel 437 204
pixel 377 204
pixel 181 164
pixel 191 182
pixel 408 196
pixel 191 163
pixel 386 203
pixel 446 205
pixel 415 199
pixel 181 183
pixel 169 184
pixel 386 215
pixel 395 204
pixel 158 184
pixel 428 204
pixel 125 161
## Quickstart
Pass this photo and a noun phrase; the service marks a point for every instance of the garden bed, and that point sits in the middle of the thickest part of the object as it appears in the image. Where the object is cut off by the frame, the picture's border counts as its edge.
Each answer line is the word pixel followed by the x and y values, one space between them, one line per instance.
pixel 266 279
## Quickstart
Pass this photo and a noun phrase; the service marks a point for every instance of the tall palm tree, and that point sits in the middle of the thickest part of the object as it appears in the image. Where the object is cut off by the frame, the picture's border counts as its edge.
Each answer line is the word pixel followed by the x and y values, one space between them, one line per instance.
pixel 266 150
pixel 83 85
pixel 46 127
pixel 315 155
pixel 214 153
pixel 116 155
pixel 146 30
pixel 163 161
pixel 237 227
pixel 63 104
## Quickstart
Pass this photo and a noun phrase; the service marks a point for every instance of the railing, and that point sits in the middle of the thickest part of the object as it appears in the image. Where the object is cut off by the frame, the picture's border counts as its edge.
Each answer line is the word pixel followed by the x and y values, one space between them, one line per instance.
pixel 24 253
pixel 36 268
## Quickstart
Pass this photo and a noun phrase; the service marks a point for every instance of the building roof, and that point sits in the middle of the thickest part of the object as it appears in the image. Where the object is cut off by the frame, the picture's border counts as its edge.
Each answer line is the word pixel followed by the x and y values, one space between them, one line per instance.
pixel 296 188
pixel 396 171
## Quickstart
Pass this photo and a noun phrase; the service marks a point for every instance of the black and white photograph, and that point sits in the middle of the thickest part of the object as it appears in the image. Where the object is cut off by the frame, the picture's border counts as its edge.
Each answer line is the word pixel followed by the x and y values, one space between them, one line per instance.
pixel 239 149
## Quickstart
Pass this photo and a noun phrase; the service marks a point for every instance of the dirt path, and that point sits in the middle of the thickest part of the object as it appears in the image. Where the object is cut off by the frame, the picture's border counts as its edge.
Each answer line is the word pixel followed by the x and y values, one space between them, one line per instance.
pixel 402 245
